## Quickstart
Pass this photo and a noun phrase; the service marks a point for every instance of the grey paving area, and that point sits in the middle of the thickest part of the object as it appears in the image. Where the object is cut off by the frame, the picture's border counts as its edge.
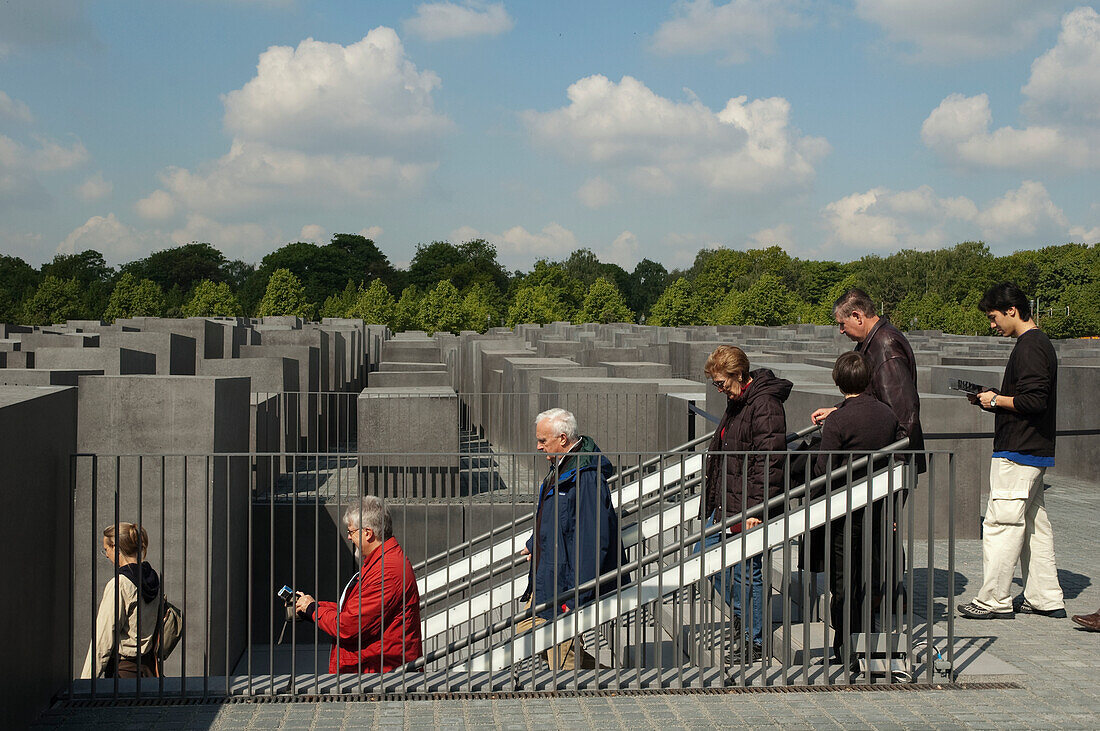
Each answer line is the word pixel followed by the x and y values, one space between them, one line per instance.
pixel 1055 666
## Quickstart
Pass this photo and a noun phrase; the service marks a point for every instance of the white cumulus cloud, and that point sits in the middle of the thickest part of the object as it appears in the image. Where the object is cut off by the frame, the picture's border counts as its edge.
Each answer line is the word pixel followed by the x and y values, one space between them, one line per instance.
pixel 596 193
pixel 624 251
pixel 442 21
pixel 157 206
pixel 1083 235
pixel 318 125
pixel 371 232
pixel 946 31
pixel 117 241
pixel 254 174
pixel 14 109
pixel 1065 81
pixel 94 188
pixel 1027 211
pixel 657 143
pixel 781 235
pixel 959 131
pixel 52 155
pixel 737 29
pixel 520 247
pixel 314 233
pixel 885 220
pixel 363 97
pixel 22 163
pixel 517 243
pixel 46 155
pixel 1061 106
pixel 249 241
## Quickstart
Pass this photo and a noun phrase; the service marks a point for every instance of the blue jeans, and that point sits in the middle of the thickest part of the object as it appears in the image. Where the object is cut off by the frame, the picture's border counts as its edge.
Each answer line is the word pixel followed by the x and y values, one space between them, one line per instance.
pixel 728 584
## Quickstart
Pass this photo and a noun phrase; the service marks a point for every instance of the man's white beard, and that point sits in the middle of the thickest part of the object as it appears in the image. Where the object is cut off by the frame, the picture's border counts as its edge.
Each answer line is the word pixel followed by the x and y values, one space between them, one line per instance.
pixel 358 555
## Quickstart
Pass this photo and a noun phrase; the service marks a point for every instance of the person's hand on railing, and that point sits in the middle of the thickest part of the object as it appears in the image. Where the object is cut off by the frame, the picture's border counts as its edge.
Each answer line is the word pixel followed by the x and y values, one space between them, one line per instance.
pixel 821 414
pixel 524 552
pixel 751 523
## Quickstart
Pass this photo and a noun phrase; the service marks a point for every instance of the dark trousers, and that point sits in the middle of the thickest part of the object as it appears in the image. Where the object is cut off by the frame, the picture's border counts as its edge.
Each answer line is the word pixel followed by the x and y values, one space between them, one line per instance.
pixel 127 667
pixel 847 561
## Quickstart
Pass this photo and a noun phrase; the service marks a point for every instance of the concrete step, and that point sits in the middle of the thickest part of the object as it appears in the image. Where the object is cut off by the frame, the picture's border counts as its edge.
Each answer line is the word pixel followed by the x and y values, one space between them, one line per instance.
pixel 821 640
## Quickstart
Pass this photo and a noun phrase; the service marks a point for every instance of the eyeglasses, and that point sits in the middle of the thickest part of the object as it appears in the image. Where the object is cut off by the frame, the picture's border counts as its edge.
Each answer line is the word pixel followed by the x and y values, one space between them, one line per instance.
pixel 724 384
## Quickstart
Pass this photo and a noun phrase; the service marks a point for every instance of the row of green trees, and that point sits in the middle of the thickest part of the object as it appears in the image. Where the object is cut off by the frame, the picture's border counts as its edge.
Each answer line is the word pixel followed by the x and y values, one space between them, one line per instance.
pixel 449 287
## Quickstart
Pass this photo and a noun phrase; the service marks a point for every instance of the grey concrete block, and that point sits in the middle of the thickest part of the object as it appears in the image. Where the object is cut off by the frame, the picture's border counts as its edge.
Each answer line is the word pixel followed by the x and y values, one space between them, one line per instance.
pixel 312 423
pixel 639 369
pixel 175 353
pixel 411 349
pixel 291 322
pixel 37 435
pixel 188 504
pixel 688 358
pixel 619 413
pixel 213 338
pixel 679 424
pixel 1078 455
pixel 276 381
pixel 36 340
pixel 547 348
pixel 798 373
pixel 406 366
pixel 43 377
pixel 510 415
pixel 390 379
pixel 597 354
pixel 19 359
pixel 267 374
pixel 312 338
pixel 408 439
pixel 115 361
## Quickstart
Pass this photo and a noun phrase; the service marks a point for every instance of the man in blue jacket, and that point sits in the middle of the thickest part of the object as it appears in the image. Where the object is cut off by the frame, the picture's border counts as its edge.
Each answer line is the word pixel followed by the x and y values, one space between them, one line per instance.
pixel 576 537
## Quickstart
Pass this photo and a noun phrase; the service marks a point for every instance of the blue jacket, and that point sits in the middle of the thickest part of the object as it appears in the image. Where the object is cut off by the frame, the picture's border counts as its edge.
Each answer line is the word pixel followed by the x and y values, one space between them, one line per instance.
pixel 577 531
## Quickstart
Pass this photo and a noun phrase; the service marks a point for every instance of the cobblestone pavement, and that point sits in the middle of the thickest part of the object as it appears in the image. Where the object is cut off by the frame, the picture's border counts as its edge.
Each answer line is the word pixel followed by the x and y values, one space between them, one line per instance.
pixel 1059 678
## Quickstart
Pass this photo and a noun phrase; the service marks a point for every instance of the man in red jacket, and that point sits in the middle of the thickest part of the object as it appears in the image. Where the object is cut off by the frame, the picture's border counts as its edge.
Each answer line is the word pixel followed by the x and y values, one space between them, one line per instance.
pixel 376 623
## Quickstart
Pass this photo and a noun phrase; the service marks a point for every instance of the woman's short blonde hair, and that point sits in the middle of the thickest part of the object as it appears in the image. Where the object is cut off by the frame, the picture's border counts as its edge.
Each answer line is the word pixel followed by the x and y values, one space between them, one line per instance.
pixel 726 361
pixel 130 539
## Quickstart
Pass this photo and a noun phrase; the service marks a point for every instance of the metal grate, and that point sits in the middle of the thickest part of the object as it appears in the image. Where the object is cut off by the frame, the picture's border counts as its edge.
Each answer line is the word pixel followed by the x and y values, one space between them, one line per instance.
pixel 630 692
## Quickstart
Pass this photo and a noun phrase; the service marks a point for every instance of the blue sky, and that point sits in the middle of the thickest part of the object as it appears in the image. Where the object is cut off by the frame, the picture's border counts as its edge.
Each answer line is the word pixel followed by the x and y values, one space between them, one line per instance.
pixel 641 129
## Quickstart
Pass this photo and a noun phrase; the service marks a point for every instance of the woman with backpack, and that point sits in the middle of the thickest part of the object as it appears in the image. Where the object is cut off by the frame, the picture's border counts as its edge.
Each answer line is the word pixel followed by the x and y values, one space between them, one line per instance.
pixel 128 613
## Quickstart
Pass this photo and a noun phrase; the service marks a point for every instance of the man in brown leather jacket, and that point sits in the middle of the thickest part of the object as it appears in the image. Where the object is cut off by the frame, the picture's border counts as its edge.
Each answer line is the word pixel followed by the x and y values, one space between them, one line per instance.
pixel 893 367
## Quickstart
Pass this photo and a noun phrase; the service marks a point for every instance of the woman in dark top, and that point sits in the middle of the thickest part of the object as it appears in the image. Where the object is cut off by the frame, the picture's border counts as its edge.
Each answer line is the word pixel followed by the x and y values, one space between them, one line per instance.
pixel 754 421
pixel 860 423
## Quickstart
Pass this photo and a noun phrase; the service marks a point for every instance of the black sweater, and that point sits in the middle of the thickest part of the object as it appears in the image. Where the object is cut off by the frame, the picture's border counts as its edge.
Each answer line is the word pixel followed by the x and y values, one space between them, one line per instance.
pixel 1031 379
pixel 861 423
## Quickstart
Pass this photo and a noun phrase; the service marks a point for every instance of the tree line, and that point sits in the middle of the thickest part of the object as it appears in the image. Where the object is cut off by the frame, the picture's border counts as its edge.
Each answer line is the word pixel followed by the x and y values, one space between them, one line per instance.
pixel 454 287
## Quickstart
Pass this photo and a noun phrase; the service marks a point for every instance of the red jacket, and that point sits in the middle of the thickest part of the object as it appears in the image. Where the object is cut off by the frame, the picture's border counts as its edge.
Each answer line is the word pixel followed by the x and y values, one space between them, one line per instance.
pixel 379 621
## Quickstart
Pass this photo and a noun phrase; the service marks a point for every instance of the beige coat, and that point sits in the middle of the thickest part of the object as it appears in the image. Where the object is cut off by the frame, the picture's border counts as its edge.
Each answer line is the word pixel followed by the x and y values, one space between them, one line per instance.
pixel 126 620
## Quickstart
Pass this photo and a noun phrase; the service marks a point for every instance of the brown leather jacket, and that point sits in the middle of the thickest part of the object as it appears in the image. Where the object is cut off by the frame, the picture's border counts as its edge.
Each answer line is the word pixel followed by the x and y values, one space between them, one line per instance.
pixel 894 379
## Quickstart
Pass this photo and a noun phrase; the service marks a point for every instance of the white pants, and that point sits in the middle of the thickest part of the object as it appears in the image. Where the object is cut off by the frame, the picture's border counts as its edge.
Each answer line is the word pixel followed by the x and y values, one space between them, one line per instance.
pixel 1016 530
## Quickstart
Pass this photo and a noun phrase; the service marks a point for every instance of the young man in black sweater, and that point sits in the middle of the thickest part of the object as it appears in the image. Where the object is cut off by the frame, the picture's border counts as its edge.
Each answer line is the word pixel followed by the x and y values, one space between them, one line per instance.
pixel 1016 527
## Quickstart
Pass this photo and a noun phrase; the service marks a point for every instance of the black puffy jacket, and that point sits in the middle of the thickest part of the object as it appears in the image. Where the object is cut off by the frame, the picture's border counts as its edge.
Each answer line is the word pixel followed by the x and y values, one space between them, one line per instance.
pixel 753 423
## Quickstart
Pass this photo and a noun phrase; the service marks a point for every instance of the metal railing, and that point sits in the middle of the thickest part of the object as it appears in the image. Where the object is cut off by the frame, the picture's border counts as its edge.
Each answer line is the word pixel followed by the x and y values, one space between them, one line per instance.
pixel 224 544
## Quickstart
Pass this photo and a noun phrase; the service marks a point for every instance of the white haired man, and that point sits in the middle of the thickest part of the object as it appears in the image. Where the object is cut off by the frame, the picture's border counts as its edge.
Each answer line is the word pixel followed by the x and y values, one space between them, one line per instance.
pixel 376 623
pixel 576 536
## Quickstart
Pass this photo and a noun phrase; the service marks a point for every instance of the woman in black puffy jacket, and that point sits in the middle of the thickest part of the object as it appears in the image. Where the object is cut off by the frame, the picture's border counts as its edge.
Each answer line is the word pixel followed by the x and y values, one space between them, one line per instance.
pixel 754 421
